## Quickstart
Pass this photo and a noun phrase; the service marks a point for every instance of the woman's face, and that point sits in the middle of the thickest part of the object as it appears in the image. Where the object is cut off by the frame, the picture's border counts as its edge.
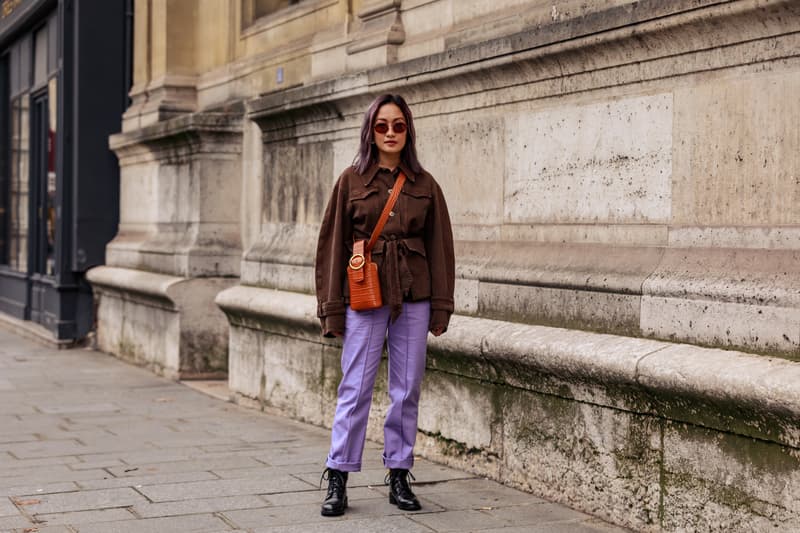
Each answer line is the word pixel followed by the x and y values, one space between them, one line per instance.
pixel 390 130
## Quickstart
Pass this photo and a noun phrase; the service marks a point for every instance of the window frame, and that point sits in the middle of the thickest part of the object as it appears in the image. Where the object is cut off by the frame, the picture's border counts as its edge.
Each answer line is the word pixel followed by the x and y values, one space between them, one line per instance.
pixel 250 23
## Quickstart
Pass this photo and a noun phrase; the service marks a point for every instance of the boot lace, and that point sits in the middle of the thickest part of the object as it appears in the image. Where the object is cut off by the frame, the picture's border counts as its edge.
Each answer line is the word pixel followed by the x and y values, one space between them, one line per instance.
pixel 335 481
pixel 399 476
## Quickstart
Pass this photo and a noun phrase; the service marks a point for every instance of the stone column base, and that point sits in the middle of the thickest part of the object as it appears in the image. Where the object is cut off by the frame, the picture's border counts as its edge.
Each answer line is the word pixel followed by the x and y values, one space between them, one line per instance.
pixel 165 323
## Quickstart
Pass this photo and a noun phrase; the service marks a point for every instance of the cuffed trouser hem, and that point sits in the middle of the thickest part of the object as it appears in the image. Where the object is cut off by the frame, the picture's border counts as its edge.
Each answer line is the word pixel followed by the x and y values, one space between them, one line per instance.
pixel 405 464
pixel 344 467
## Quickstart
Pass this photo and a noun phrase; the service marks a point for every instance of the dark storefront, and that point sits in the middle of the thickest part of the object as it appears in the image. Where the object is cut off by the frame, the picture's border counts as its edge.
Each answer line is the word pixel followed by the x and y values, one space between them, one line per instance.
pixel 64 76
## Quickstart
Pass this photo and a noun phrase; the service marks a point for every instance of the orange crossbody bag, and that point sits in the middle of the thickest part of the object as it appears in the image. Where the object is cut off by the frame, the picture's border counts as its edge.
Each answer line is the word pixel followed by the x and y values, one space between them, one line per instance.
pixel 362 273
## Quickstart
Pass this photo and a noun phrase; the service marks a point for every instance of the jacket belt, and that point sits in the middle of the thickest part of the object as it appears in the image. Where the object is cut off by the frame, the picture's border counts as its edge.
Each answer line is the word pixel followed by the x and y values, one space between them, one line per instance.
pixel 398 275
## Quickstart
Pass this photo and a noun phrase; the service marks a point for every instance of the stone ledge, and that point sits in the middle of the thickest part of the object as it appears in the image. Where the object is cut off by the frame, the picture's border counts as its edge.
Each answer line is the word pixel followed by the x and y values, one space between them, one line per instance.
pixel 729 391
pixel 147 284
pixel 201 122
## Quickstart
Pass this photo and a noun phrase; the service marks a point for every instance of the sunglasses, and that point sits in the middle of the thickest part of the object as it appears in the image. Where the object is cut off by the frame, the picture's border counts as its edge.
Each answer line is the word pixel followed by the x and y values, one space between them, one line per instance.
pixel 397 127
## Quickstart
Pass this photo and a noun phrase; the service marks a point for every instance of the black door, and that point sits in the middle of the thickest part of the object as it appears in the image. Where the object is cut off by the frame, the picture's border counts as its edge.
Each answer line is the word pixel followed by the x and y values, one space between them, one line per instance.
pixel 42 213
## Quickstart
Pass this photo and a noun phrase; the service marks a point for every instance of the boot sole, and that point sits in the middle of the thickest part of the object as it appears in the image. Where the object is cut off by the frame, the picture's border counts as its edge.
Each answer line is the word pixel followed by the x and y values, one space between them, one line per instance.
pixel 403 507
pixel 337 512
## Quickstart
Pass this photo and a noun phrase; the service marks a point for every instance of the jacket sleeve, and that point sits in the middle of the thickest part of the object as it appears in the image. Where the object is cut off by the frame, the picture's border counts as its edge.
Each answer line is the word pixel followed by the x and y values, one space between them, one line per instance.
pixel 441 260
pixel 331 261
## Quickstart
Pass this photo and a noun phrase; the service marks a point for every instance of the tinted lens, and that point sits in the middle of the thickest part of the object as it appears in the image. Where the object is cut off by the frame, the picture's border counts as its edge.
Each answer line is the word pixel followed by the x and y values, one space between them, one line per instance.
pixel 399 127
pixel 381 128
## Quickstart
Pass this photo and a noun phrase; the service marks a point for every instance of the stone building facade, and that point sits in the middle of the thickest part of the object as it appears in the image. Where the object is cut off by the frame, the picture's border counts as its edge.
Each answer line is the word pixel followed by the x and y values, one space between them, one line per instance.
pixel 623 182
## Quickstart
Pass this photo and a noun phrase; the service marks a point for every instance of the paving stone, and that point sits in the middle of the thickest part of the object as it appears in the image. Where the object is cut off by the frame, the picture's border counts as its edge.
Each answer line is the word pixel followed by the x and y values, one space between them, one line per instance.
pixel 7 508
pixel 223 487
pixel 38 490
pixel 105 464
pixel 12 462
pixel 10 477
pixel 12 522
pixel 16 408
pixel 535 513
pixel 587 526
pixel 480 499
pixel 179 441
pixel 84 501
pixel 81 408
pixel 45 529
pixel 467 520
pixel 196 506
pixel 148 456
pixel 391 524
pixel 182 524
pixel 292 515
pixel 31 450
pixel 85 517
pixel 235 462
pixel 264 471
pixel 9 438
pixel 316 496
pixel 145 481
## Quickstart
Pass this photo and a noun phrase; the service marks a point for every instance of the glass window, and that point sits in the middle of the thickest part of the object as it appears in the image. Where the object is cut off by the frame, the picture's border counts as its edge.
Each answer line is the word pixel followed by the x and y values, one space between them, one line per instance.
pixel 40 51
pixel 50 194
pixel 18 186
pixel 254 9
pixel 5 153
pixel 265 7
pixel 52 45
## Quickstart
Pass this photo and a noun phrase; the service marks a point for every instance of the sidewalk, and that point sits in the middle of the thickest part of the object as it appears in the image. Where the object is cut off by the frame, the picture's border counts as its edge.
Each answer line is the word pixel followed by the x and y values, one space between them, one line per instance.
pixel 89 444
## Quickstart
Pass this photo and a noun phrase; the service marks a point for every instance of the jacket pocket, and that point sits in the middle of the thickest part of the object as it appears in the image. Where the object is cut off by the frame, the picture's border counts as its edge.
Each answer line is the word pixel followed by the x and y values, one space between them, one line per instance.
pixel 414 209
pixel 365 209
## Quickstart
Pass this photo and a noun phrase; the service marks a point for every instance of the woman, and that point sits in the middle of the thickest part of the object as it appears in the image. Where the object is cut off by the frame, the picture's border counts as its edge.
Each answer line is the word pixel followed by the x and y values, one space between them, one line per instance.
pixel 415 261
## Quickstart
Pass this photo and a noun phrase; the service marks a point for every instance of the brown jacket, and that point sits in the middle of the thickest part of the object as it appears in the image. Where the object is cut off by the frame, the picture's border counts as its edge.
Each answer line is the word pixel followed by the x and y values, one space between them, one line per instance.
pixel 414 252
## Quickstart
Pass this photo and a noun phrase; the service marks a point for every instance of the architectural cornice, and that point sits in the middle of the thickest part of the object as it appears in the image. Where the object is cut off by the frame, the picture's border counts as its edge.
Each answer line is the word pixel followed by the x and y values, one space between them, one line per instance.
pixel 623 36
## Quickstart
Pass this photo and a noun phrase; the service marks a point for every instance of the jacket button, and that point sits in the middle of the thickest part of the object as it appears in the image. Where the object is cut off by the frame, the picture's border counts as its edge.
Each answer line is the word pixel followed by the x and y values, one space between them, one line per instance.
pixel 391 213
pixel 390 191
pixel 392 237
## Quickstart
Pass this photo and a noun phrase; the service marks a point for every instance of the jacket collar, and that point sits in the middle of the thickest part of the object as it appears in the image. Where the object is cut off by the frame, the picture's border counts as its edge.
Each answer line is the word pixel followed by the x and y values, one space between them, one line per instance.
pixel 369 175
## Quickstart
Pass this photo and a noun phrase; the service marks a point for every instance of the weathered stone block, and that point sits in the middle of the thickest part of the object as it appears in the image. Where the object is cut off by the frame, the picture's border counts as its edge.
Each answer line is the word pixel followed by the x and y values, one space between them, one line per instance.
pixel 726 482
pixel 604 462
pixel 162 322
pixel 246 369
pixel 605 162
pixel 726 298
pixel 736 167
pixel 466 157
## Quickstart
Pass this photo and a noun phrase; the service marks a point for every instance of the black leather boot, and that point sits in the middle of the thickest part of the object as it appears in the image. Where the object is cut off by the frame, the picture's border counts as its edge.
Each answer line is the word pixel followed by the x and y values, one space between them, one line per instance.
pixel 400 492
pixel 336 501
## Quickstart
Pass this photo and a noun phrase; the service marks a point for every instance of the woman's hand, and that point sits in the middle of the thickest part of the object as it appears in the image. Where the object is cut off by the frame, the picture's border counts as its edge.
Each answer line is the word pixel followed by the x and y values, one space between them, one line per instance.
pixel 438 330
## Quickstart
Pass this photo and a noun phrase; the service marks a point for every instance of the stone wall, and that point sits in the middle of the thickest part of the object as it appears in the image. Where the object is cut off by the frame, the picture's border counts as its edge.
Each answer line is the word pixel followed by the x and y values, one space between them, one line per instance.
pixel 622 178
pixel 628 173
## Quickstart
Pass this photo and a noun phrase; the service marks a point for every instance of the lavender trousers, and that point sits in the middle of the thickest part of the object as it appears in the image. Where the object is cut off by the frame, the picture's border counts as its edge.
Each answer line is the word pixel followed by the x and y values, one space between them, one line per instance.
pixel 364 334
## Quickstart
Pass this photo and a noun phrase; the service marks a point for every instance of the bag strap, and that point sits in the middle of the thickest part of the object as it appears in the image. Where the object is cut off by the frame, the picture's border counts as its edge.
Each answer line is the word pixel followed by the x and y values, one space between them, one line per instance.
pixel 398 184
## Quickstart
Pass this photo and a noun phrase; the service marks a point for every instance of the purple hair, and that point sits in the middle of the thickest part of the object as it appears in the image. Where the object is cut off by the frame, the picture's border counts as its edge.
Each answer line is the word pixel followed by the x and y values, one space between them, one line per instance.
pixel 368 151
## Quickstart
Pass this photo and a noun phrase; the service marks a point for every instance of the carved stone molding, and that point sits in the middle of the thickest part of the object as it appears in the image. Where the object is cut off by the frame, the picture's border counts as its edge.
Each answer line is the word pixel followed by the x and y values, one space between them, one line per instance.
pixel 191 165
pixel 380 29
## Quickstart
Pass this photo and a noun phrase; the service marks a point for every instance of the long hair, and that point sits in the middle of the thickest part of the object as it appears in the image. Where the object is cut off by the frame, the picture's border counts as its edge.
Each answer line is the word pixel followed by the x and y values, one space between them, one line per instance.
pixel 368 151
